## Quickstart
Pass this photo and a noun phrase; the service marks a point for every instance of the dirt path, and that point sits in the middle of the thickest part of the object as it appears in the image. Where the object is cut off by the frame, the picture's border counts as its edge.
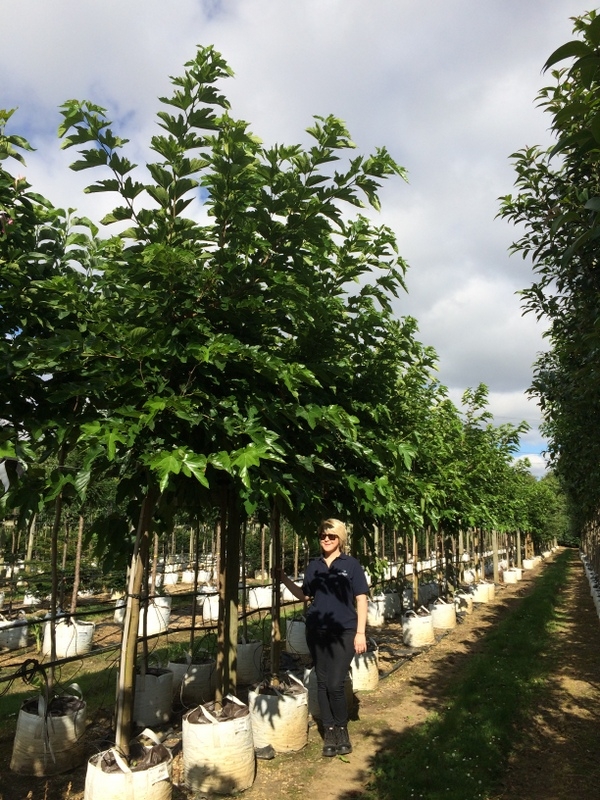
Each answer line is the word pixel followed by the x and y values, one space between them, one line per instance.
pixel 559 756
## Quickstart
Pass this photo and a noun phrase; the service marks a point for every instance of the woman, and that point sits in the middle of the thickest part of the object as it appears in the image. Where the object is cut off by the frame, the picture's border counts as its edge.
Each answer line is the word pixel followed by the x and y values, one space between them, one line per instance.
pixel 335 627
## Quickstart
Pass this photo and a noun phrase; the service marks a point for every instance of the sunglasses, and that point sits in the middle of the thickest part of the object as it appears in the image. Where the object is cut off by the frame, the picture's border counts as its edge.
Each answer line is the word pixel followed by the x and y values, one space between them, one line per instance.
pixel 328 536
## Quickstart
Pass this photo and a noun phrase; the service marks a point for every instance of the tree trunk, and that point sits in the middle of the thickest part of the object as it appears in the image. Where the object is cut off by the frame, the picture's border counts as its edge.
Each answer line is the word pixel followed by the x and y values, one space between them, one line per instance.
pixel 415 577
pixel 262 551
pixel 276 604
pixel 454 562
pixel 439 557
pixel 30 542
pixel 228 592
pixel 296 549
pixel 195 595
pixel 126 676
pixel 63 568
pixel 54 590
pixel 495 555
pixel 154 566
pixel 77 574
pixel 217 539
pixel 244 595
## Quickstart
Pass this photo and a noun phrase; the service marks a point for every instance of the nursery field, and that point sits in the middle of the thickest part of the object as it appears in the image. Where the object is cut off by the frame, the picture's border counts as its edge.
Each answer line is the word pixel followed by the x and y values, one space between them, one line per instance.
pixel 410 719
pixel 506 705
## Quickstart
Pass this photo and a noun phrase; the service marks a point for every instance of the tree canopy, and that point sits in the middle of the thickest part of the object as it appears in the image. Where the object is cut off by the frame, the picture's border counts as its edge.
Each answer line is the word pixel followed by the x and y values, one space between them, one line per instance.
pixel 558 205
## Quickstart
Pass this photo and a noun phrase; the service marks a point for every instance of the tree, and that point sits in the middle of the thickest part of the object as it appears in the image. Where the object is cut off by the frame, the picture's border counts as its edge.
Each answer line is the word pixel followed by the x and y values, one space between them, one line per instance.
pixel 558 203
pixel 194 343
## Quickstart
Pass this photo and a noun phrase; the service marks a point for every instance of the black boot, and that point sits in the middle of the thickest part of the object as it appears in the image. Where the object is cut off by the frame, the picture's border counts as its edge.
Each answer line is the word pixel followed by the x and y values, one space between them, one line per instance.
pixel 343 746
pixel 329 741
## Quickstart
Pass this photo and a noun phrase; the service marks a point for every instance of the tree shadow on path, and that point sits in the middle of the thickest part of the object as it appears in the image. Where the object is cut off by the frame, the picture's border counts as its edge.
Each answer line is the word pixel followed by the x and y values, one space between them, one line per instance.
pixel 521 695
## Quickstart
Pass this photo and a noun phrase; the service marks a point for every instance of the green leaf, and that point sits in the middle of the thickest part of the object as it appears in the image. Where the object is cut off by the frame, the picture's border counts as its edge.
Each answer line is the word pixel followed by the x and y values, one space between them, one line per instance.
pixel 573 49
pixel 593 31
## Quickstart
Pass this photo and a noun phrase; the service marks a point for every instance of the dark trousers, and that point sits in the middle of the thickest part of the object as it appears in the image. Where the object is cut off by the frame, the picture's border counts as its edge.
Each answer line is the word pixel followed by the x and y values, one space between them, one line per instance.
pixel 332 655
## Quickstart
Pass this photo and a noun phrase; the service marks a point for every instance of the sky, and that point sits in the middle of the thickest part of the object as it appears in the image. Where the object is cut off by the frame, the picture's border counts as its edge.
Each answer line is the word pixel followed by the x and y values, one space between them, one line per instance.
pixel 447 86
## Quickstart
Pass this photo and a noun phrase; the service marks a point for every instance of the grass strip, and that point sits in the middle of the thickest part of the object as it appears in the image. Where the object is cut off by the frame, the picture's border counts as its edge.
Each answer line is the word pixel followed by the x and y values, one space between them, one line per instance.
pixel 461 753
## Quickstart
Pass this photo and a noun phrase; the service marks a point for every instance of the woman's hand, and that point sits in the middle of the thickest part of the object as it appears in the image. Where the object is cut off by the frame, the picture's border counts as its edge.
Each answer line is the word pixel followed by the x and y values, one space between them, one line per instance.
pixel 360 643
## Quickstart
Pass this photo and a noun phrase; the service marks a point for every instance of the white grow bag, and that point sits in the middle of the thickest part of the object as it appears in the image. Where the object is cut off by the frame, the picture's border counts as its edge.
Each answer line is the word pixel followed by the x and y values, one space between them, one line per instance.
pixel 73 638
pixel 469 577
pixel 279 715
pixel 443 614
pixel 287 596
pixel 295 637
pixel 193 683
pixel 249 663
pixel 204 576
pixel 511 575
pixel 260 597
pixel 483 592
pixel 13 633
pixel 417 629
pixel 463 602
pixel 428 592
pixel 49 741
pixel 364 669
pixel 209 605
pixel 392 607
pixel 218 748
pixel 376 611
pixel 108 776
pixel 31 599
pixel 159 615
pixel 153 697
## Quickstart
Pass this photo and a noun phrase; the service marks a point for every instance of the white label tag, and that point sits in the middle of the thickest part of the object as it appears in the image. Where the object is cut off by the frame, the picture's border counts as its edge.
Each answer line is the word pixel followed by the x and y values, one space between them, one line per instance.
pixel 240 725
pixel 160 773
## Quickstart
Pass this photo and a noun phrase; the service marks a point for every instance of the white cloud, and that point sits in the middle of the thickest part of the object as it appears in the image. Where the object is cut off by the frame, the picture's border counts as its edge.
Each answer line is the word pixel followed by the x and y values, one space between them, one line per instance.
pixel 482 334
pixel 538 466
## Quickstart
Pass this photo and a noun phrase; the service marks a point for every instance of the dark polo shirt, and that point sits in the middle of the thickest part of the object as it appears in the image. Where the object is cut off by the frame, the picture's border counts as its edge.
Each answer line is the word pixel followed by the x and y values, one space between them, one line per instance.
pixel 333 590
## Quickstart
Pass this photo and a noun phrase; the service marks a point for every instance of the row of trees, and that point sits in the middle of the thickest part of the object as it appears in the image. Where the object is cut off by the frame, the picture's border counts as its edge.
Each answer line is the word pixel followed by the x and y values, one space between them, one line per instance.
pixel 558 204
pixel 231 351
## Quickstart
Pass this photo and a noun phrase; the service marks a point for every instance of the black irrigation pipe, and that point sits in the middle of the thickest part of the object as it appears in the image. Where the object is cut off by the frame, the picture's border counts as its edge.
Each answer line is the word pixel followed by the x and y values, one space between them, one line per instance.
pixel 58 663
pixel 96 651
pixel 404 659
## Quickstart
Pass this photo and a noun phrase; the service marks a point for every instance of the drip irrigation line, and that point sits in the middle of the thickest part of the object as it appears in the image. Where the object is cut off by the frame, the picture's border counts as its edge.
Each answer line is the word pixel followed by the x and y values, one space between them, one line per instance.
pixel 58 663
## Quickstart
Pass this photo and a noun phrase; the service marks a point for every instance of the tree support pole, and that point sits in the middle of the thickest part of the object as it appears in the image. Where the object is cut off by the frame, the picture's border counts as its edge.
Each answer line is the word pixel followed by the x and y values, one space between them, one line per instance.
pixel 276 597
